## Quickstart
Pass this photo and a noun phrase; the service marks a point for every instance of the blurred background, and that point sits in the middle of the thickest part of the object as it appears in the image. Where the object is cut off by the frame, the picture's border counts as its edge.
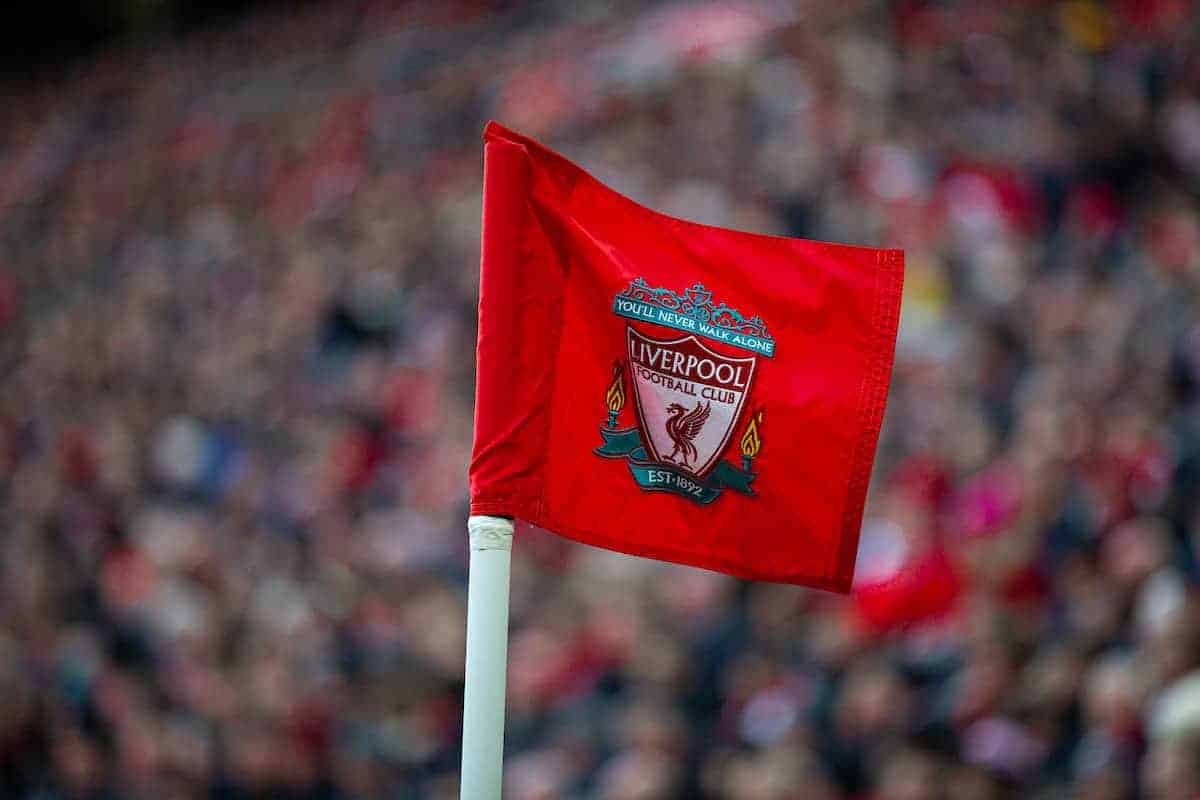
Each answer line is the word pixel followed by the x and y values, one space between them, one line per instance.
pixel 238 267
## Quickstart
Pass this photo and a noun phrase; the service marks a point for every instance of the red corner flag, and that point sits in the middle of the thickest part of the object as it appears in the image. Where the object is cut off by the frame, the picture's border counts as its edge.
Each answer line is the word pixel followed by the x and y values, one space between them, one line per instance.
pixel 674 390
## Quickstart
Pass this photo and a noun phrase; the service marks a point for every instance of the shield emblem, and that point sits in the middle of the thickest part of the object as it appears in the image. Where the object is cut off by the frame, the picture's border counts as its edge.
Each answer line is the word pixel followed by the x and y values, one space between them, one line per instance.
pixel 689 398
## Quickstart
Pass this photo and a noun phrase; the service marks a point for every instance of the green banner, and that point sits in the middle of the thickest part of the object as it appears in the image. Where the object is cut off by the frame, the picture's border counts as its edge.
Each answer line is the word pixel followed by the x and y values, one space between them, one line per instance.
pixel 644 312
pixel 655 476
pixel 727 474
pixel 618 443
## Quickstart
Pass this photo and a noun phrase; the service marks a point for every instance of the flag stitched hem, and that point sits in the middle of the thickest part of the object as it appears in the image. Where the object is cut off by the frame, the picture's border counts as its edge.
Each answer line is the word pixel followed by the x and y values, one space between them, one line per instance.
pixel 872 404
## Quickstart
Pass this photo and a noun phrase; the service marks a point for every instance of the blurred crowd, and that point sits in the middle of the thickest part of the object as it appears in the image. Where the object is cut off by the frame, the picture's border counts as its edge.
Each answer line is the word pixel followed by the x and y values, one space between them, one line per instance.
pixel 238 277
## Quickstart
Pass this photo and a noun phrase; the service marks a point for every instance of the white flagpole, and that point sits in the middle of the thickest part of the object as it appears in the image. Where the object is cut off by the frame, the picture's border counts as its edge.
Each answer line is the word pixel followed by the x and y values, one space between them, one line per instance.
pixel 487 657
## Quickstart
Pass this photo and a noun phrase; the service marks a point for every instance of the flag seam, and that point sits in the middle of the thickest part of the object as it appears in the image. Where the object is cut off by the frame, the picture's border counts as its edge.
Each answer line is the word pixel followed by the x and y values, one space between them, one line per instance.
pixel 556 336
pixel 889 279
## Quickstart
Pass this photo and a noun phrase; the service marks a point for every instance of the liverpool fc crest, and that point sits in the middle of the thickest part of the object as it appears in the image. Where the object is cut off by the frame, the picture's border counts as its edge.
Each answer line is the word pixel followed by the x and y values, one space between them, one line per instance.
pixel 689 397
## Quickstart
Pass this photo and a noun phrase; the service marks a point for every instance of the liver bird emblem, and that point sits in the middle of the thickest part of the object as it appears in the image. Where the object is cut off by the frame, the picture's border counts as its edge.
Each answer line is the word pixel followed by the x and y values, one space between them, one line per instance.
pixel 683 426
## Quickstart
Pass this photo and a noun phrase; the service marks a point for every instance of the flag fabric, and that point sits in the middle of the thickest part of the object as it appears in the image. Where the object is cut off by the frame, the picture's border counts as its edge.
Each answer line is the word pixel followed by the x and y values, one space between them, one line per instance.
pixel 670 389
